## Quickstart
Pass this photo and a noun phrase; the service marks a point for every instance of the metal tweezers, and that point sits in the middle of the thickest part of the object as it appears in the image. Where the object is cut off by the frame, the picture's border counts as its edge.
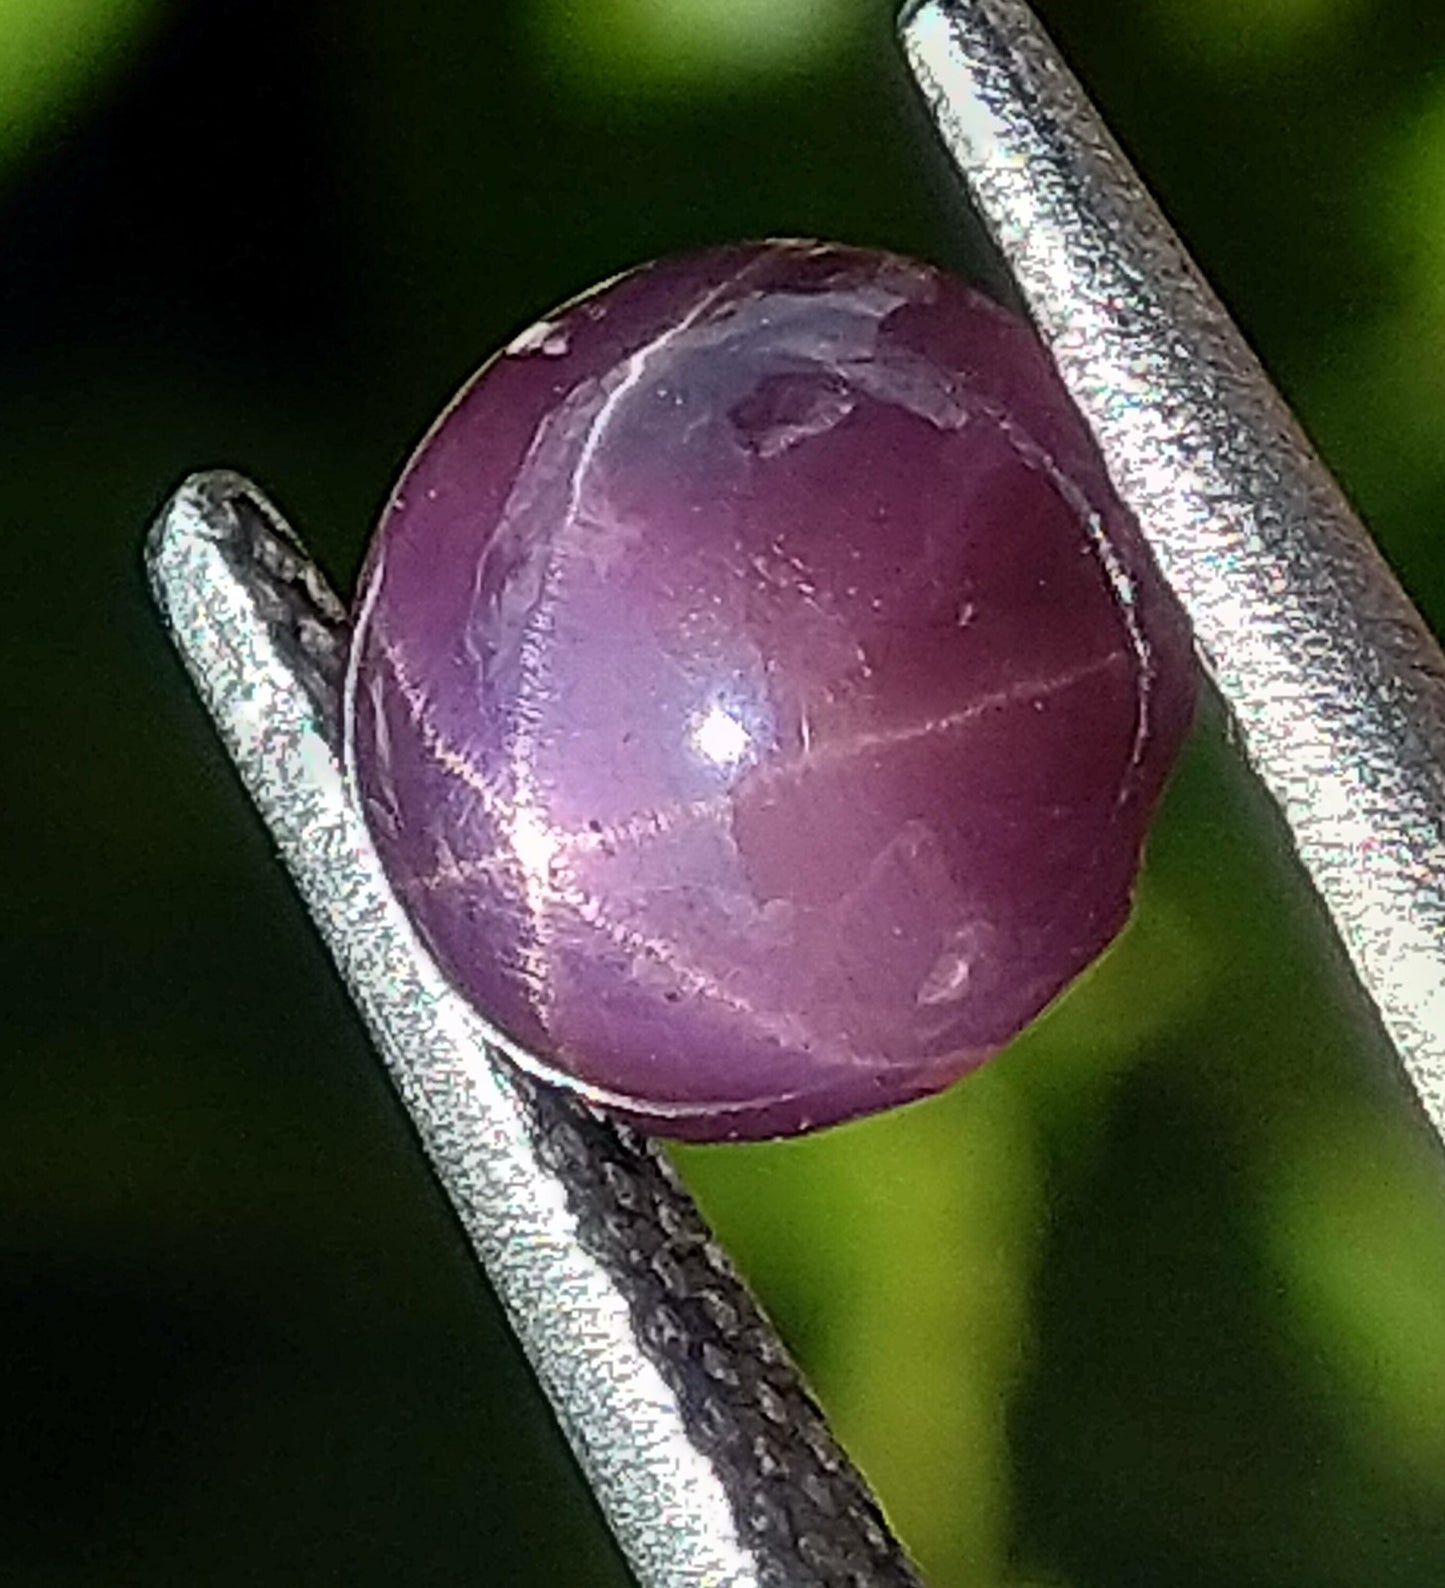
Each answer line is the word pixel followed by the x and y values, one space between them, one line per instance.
pixel 710 1461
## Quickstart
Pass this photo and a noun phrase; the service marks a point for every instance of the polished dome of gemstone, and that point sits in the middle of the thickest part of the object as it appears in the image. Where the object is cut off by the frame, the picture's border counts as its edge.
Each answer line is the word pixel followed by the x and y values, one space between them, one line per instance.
pixel 758 695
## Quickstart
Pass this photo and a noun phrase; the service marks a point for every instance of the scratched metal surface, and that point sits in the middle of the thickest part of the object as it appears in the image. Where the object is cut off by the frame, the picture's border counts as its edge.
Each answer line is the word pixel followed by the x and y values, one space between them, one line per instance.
pixel 711 1462
pixel 1335 686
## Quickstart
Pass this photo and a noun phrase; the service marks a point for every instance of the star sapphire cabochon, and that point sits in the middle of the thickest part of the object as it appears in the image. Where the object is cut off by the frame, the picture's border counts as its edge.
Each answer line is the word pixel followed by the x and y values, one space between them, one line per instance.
pixel 758 695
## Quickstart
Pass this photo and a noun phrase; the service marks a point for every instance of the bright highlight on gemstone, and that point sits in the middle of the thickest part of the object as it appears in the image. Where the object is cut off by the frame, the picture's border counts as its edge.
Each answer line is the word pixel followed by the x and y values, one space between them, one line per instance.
pixel 758 696
pixel 721 739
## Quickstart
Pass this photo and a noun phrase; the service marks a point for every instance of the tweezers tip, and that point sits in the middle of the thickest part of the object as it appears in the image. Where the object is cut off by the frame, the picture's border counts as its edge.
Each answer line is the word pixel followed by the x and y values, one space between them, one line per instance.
pixel 200 505
pixel 208 506
pixel 912 15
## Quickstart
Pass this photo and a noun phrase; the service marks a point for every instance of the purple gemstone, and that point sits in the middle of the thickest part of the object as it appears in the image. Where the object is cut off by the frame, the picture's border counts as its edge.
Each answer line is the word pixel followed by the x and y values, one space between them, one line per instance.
pixel 759 696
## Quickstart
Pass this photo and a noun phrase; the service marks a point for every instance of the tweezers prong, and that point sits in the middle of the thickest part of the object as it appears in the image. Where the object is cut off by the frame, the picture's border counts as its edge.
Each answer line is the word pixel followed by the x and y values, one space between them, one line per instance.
pixel 707 1456
pixel 1335 686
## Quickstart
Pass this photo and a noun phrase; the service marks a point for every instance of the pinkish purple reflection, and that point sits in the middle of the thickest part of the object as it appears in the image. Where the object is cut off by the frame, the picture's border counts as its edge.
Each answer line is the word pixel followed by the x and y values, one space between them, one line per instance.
pixel 759 695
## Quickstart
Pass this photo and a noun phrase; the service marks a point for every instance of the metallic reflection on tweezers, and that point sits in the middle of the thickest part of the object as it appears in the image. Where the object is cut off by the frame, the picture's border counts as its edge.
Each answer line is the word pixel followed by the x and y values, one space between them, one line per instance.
pixel 707 1457
pixel 709 1460
pixel 1334 684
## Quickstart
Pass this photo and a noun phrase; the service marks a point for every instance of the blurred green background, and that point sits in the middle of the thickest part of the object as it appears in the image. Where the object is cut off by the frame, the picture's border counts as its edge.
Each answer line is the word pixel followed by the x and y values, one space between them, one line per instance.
pixel 1156 1301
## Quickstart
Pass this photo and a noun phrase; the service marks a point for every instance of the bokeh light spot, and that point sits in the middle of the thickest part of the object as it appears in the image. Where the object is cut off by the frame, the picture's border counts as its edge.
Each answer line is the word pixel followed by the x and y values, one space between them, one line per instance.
pixel 1237 32
pixel 51 51
pixel 630 45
